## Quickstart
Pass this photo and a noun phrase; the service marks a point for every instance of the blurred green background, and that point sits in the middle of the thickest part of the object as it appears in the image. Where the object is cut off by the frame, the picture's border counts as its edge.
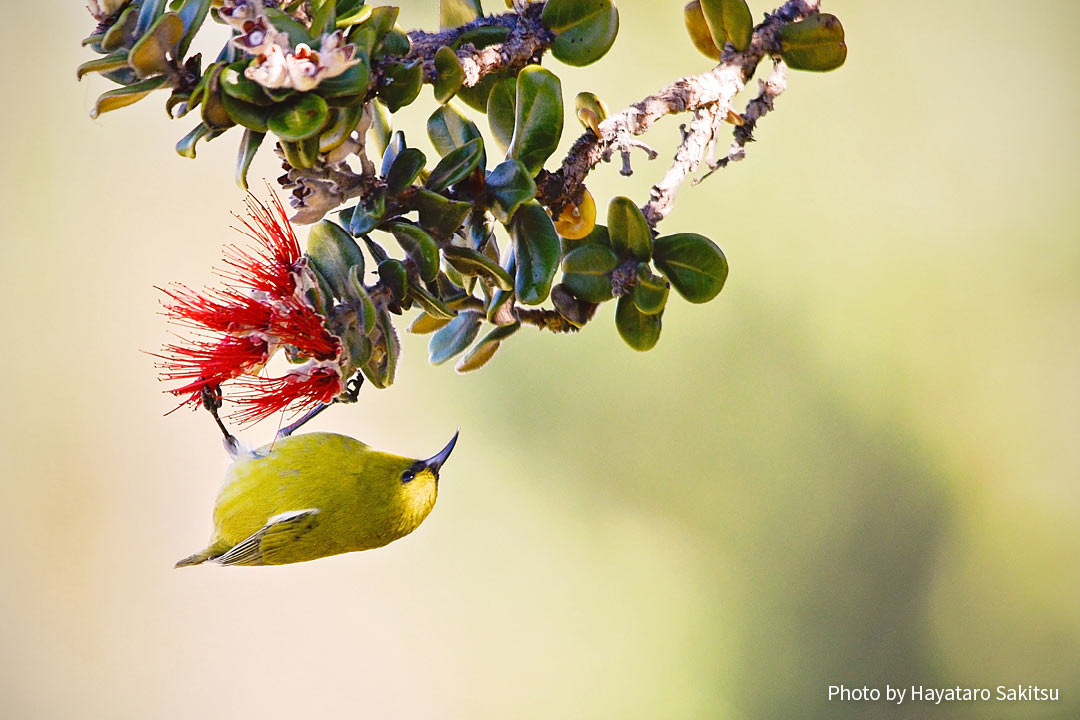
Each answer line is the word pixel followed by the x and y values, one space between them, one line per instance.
pixel 859 465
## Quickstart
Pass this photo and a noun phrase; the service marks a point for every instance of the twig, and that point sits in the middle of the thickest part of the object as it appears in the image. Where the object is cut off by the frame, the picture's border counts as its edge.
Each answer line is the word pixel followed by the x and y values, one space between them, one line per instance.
pixel 717 87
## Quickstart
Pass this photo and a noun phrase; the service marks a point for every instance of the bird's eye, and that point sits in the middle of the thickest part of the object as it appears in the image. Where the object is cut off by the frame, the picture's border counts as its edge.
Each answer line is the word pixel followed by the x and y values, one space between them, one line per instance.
pixel 407 476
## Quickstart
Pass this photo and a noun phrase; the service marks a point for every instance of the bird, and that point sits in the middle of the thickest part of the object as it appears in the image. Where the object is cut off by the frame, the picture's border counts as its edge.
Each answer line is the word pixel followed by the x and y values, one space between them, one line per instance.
pixel 312 495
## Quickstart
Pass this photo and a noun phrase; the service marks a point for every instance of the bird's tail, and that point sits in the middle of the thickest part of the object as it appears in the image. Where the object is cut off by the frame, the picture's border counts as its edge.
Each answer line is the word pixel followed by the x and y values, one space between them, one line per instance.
pixel 197 559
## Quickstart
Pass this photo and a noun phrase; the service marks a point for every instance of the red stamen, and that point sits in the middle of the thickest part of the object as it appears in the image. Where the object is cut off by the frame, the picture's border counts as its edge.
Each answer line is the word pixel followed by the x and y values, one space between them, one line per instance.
pixel 295 392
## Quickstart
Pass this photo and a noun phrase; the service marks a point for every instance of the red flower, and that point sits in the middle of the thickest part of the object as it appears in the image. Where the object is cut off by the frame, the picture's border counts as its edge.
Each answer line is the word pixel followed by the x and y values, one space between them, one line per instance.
pixel 238 328
pixel 260 397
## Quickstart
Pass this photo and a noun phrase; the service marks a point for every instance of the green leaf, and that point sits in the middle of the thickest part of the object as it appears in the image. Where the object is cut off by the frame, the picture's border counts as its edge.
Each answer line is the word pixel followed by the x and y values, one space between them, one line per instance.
pixel 380 368
pixel 300 118
pixel 449 75
pixel 448 129
pixel 500 111
pixel 482 37
pixel 393 148
pixel 698 29
pixel 351 12
pixel 248 147
pixel 486 348
pixel 584 29
pixel 124 96
pixel 440 216
pixel 152 53
pixel 729 21
pixel 214 114
pixel 186 146
pixel 452 339
pixel 325 19
pixel 432 305
pixel 538 117
pixel 628 229
pixel 651 291
pixel 575 310
pixel 455 13
pixel 115 61
pixel 122 32
pixel 510 185
pixel 694 265
pixel 425 324
pixel 456 166
pixel 149 12
pixel 816 43
pixel 395 276
pixel 235 84
pixel 537 250
pixel 401 84
pixel 303 154
pixel 250 116
pixel 333 252
pixel 355 81
pixel 471 262
pixel 381 126
pixel 193 13
pixel 419 246
pixel 343 120
pixel 587 272
pixel 598 236
pixel 368 213
pixel 406 167
pixel 297 31
pixel 640 331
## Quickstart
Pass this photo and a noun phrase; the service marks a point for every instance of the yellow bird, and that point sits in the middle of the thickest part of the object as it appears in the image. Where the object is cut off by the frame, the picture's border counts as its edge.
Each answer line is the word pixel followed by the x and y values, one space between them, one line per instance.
pixel 313 495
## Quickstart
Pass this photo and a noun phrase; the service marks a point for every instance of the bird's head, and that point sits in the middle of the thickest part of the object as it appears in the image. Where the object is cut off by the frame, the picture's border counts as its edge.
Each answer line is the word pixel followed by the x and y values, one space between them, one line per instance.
pixel 428 470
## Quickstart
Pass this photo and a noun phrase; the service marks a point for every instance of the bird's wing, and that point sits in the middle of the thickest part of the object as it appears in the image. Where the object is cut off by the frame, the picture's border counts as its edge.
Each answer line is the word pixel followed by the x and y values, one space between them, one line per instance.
pixel 279 530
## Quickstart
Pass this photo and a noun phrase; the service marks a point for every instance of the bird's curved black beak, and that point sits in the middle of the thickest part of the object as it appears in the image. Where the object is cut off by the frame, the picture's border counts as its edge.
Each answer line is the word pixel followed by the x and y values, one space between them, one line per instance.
pixel 436 461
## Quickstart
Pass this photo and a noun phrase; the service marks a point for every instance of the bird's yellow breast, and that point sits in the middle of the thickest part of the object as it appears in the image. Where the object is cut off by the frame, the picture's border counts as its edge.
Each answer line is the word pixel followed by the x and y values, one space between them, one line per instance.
pixel 358 491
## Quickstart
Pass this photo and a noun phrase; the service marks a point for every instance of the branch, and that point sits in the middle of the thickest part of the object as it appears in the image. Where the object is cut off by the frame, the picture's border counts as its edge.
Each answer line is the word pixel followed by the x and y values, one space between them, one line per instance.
pixel 714 90
pixel 527 41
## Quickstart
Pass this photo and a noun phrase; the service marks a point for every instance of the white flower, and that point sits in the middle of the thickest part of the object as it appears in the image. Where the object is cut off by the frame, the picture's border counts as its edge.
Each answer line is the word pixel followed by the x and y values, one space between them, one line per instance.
pixel 304 68
pixel 104 9
pixel 337 57
pixel 269 69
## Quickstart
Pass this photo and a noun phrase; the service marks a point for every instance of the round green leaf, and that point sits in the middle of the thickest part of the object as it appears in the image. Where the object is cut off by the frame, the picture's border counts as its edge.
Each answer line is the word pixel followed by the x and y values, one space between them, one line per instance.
pixel 353 82
pixel 693 263
pixel 729 21
pixel 651 291
pixel 454 337
pixel 629 232
pixel 574 309
pixel 486 348
pixel 151 54
pixel 537 250
pixel 698 28
pixel 584 29
pixel 816 43
pixel 538 117
pixel 235 84
pixel 425 324
pixel 500 111
pixel 470 262
pixel 449 75
pixel 406 167
pixel 455 13
pixel 510 185
pixel 124 96
pixel 394 276
pixel 333 252
pixel 448 129
pixel 640 331
pixel 300 118
pixel 250 116
pixel 401 84
pixel 440 216
pixel 419 246
pixel 456 166
pixel 587 272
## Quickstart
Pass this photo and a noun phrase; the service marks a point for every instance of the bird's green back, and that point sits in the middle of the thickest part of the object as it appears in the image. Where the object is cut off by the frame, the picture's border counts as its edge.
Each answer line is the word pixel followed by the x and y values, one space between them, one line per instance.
pixel 358 491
